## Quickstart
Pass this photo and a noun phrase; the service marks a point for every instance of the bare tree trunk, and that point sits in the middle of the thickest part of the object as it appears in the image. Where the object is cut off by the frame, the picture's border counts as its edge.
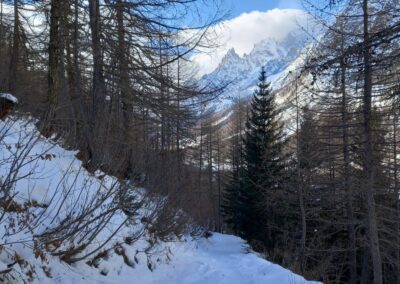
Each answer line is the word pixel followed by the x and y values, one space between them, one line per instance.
pixel 54 81
pixel 78 101
pixel 178 109
pixel 14 62
pixel 397 194
pixel 300 188
pixel 65 101
pixel 123 66
pixel 219 182
pixel 347 183
pixel 210 154
pixel 3 83
pixel 77 85
pixel 365 271
pixel 125 96
pixel 98 88
pixel 1 26
pixel 210 165
pixel 73 70
pixel 96 126
pixel 368 167
pixel 201 146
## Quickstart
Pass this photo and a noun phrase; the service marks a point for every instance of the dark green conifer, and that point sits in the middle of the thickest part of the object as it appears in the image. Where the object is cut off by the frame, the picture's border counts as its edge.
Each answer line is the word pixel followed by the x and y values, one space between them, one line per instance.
pixel 251 195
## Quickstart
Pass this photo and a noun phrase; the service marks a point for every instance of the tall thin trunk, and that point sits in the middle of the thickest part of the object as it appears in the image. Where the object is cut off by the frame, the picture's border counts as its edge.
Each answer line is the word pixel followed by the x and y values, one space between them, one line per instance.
pixel 210 155
pixel 168 113
pixel 1 27
pixel 123 66
pixel 219 182
pixel 72 61
pixel 300 189
pixel 123 76
pixel 368 167
pixel 397 194
pixel 365 270
pixel 65 99
pixel 79 102
pixel 201 146
pixel 210 164
pixel 14 62
pixel 347 182
pixel 76 95
pixel 178 106
pixel 98 87
pixel 77 85
pixel 54 82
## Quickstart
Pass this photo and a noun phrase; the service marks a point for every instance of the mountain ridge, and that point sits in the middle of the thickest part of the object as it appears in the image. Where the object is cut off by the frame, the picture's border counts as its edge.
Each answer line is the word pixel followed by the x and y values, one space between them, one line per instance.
pixel 240 73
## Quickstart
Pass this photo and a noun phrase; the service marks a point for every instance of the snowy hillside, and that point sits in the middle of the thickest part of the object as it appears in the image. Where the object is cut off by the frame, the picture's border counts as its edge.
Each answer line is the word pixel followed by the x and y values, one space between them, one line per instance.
pixel 241 73
pixel 49 187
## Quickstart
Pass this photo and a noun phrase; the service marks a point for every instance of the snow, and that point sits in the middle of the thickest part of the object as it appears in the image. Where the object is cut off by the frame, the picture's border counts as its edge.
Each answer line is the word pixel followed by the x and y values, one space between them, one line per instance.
pixel 220 259
pixel 50 173
pixel 241 73
pixel 9 97
pixel 223 119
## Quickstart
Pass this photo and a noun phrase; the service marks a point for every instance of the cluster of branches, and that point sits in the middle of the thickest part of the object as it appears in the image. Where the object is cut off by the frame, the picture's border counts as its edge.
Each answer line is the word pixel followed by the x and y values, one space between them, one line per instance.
pixel 113 80
pixel 340 196
pixel 73 216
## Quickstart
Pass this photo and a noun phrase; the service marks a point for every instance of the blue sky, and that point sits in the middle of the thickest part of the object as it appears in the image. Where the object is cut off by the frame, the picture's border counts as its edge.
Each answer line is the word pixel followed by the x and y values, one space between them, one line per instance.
pixel 241 6
pixel 234 8
pixel 238 7
pixel 247 23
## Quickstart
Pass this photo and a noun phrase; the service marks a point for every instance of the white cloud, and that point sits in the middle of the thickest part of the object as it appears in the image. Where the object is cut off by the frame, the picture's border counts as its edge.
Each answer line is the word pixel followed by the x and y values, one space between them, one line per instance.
pixel 242 32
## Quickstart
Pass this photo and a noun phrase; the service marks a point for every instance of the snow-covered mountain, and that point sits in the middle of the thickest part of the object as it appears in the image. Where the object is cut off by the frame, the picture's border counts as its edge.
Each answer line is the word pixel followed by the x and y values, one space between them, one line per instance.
pixel 241 72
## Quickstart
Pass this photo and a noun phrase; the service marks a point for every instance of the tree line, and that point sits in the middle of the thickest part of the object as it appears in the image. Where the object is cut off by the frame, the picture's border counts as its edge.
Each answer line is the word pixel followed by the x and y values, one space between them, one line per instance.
pixel 320 194
pixel 312 182
pixel 113 79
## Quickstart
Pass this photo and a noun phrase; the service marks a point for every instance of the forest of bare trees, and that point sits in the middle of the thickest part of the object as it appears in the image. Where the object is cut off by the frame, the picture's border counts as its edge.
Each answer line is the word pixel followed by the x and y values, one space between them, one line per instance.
pixel 311 183
pixel 341 114
pixel 112 79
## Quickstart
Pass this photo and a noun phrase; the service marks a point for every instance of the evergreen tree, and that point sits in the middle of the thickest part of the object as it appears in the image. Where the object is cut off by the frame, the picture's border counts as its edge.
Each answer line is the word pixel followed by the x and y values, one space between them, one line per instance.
pixel 253 194
pixel 231 206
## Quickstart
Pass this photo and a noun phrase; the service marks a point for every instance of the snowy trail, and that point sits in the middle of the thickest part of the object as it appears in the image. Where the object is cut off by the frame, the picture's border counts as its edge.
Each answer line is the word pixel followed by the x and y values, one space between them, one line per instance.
pixel 220 259
pixel 48 170
pixel 223 259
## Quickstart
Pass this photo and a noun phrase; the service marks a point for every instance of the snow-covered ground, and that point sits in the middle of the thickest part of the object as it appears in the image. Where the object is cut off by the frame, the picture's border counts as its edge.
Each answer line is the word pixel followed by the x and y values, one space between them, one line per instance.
pixel 220 259
pixel 48 185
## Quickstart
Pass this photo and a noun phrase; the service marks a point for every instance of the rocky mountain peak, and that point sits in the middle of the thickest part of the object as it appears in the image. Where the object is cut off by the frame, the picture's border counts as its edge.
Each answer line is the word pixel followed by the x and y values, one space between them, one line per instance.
pixel 242 72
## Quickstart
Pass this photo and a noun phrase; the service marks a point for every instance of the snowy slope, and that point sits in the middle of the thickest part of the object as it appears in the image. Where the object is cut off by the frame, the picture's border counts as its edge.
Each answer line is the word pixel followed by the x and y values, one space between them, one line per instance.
pixel 53 185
